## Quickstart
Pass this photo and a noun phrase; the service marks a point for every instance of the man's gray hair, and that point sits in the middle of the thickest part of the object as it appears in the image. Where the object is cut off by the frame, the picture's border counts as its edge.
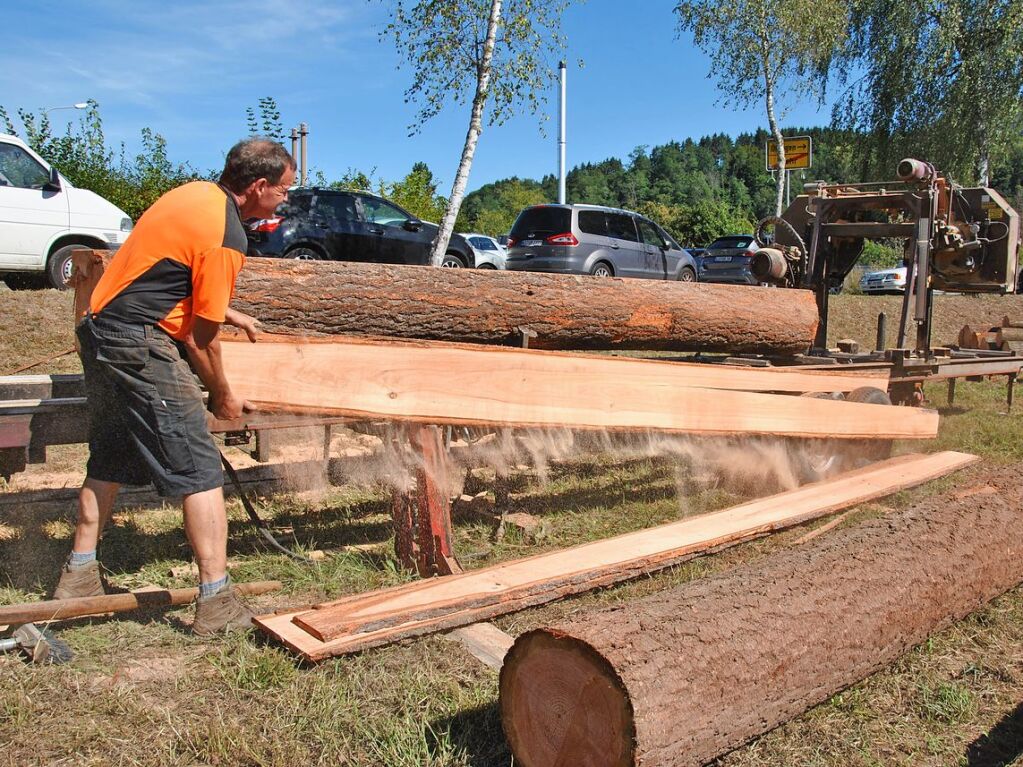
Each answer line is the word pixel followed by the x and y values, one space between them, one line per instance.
pixel 252 159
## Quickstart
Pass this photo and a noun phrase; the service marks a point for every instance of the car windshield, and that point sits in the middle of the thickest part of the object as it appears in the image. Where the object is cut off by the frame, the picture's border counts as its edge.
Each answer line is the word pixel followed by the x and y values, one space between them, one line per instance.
pixel 730 242
pixel 541 222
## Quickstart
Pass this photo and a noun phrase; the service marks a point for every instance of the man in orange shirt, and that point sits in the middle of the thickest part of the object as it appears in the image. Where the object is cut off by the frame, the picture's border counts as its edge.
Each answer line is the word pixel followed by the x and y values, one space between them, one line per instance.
pixel 166 290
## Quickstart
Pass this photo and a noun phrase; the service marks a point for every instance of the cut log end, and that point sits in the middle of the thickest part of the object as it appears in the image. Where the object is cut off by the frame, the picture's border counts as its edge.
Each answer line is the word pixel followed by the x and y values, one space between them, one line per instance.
pixel 563 704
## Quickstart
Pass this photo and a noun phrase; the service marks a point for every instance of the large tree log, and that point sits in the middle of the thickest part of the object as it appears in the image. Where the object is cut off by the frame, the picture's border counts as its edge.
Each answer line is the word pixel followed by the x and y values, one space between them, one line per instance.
pixel 683 676
pixel 485 306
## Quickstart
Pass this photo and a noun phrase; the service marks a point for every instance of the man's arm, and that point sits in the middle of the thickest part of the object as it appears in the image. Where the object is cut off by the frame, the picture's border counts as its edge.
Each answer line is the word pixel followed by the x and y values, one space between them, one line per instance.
pixel 243 322
pixel 204 353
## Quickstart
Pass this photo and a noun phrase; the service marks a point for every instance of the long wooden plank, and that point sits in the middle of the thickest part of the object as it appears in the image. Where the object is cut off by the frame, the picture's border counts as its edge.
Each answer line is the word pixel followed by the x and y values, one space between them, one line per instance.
pixel 381 617
pixel 462 384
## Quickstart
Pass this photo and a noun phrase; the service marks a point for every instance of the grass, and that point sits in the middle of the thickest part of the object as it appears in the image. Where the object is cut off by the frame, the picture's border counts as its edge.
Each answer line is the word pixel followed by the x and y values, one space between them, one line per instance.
pixel 142 691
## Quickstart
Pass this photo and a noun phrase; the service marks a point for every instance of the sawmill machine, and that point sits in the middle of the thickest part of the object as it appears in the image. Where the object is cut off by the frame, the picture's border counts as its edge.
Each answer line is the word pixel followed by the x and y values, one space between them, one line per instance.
pixel 957 239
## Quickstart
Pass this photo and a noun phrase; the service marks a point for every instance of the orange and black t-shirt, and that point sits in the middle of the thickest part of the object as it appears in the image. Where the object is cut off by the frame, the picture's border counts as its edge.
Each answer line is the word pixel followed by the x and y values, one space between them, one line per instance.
pixel 179 262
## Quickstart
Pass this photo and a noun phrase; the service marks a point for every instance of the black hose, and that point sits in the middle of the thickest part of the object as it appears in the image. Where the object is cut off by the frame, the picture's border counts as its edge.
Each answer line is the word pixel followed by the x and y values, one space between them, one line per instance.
pixel 260 525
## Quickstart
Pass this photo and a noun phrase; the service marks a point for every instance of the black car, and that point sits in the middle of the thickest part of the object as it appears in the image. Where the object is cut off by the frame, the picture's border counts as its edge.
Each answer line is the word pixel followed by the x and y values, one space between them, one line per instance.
pixel 337 225
pixel 728 260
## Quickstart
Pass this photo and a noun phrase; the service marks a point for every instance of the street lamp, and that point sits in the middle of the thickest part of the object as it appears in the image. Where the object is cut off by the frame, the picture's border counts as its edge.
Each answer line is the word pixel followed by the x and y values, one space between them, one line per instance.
pixel 79 105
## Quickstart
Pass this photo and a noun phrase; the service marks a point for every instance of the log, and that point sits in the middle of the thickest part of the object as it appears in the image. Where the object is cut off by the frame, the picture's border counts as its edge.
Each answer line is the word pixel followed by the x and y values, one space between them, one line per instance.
pixel 969 338
pixel 688 674
pixel 429 382
pixel 63 609
pixel 490 307
pixel 361 621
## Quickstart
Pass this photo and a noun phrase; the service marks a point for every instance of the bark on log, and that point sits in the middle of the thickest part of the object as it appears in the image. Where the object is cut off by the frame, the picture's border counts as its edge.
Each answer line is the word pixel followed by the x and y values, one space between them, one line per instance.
pixel 684 676
pixel 485 306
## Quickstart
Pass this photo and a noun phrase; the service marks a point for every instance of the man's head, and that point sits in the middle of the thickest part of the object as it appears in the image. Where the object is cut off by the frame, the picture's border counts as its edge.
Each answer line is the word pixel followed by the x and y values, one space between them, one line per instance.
pixel 258 171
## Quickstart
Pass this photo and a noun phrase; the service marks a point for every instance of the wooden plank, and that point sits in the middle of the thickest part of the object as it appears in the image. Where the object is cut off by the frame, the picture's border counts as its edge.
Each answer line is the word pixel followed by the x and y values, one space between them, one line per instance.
pixel 461 384
pixel 485 642
pixel 797 379
pixel 441 603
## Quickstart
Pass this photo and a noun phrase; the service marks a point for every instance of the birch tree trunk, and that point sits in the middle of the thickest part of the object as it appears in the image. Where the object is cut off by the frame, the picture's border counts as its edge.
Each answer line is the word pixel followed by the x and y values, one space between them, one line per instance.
pixel 765 56
pixel 447 225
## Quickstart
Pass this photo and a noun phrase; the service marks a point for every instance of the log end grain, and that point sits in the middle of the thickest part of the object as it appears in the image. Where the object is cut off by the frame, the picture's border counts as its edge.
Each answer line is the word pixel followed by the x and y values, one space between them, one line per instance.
pixel 563 704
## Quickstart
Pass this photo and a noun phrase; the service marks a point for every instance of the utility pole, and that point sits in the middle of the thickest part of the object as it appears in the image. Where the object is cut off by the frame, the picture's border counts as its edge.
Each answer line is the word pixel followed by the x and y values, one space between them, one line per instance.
pixel 303 131
pixel 563 71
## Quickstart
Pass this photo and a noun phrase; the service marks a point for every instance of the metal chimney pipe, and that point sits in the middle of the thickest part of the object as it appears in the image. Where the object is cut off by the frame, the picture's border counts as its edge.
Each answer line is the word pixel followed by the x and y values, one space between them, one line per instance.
pixel 294 144
pixel 563 71
pixel 303 131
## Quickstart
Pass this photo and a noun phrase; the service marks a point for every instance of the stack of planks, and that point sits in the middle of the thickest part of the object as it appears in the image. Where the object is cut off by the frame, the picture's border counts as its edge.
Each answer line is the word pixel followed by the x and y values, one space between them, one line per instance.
pixel 376 618
pixel 444 383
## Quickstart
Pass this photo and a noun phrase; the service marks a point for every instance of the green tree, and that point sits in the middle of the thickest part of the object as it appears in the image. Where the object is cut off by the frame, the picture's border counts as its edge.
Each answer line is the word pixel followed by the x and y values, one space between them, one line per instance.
pixel 766 49
pixel 937 79
pixel 494 49
pixel 417 193
pixel 265 119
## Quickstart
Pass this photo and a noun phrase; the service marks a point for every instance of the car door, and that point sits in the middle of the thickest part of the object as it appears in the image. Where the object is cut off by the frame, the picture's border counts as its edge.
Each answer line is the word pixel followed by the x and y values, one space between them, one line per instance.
pixel 657 264
pixel 627 252
pixel 399 240
pixel 335 215
pixel 30 216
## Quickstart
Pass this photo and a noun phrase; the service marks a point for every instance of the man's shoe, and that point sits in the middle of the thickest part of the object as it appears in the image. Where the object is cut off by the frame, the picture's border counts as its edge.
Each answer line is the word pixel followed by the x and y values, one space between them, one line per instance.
pixel 221 612
pixel 81 582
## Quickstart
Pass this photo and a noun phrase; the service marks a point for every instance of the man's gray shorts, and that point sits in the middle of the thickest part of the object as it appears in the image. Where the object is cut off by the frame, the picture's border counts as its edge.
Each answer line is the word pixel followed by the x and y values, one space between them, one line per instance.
pixel 147 422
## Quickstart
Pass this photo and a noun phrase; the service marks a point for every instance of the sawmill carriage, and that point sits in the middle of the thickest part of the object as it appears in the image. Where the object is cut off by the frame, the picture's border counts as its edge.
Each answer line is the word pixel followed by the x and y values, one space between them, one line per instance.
pixel 745 347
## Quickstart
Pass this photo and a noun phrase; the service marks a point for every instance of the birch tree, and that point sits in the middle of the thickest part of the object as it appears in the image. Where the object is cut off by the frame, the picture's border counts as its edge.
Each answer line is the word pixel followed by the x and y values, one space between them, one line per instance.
pixel 499 51
pixel 767 49
pixel 941 80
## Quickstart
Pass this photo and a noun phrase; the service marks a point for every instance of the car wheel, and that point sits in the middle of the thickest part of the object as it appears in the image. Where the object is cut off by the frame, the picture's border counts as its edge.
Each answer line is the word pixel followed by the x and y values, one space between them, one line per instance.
pixel 486 266
pixel 602 269
pixel 452 261
pixel 687 275
pixel 304 254
pixel 59 266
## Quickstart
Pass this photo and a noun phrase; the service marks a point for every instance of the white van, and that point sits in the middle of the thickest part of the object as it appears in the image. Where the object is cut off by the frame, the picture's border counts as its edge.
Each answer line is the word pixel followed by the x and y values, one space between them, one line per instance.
pixel 43 218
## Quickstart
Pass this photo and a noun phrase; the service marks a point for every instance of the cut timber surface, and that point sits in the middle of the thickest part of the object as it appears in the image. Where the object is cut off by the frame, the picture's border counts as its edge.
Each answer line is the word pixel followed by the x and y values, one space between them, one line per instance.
pixel 680 677
pixel 490 307
pixel 461 384
pixel 368 620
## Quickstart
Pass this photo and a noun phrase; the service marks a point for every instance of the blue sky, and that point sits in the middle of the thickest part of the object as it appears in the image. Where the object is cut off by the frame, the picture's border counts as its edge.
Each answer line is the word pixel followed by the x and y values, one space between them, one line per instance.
pixel 189 69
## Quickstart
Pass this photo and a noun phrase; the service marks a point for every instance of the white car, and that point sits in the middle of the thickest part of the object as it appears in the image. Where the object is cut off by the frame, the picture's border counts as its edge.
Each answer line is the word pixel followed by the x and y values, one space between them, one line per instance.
pixel 43 218
pixel 884 281
pixel 490 254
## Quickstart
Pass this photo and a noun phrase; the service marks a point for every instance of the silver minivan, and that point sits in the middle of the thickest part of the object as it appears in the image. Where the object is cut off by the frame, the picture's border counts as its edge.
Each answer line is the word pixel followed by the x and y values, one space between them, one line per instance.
pixel 590 239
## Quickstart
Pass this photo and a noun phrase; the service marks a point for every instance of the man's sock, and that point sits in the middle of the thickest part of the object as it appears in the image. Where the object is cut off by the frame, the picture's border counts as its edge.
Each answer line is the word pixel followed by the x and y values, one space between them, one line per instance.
pixel 207 590
pixel 78 560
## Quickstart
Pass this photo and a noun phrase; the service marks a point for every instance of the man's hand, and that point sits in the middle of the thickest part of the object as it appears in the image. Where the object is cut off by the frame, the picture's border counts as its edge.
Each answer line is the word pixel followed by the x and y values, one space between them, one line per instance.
pixel 243 322
pixel 228 407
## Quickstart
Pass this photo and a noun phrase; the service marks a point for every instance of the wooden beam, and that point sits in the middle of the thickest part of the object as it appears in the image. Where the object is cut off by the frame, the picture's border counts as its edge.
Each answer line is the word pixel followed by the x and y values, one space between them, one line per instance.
pixel 369 620
pixel 461 384
pixel 63 609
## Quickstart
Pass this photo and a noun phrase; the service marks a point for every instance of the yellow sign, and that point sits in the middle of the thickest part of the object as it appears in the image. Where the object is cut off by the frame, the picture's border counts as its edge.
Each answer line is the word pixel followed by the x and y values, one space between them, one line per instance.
pixel 798 153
